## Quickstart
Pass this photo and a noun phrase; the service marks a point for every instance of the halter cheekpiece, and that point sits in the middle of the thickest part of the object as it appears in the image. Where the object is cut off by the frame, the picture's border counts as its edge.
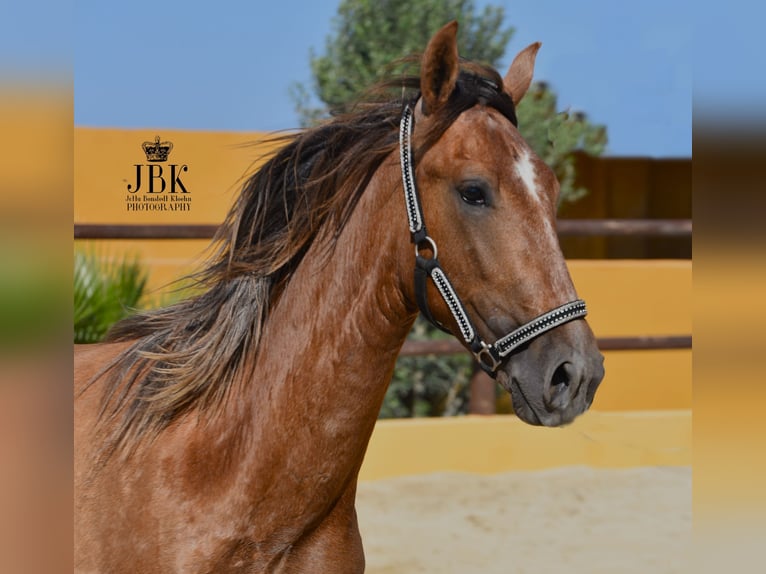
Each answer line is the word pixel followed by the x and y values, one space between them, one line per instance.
pixel 489 356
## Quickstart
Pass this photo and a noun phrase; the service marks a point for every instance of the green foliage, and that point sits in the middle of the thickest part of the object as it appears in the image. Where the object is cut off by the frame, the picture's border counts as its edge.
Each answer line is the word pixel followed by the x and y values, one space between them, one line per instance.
pixel 371 34
pixel 425 386
pixel 104 293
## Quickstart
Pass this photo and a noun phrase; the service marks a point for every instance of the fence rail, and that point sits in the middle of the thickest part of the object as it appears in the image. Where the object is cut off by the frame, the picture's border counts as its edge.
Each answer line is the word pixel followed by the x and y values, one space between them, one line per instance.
pixel 566 227
pixel 624 227
pixel 149 231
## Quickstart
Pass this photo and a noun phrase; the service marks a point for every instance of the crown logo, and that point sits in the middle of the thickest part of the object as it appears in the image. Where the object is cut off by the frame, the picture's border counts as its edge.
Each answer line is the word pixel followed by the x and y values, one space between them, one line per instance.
pixel 156 150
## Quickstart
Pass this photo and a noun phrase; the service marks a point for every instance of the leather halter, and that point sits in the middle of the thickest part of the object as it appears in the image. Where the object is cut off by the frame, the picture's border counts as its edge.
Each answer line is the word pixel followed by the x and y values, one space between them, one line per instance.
pixel 489 356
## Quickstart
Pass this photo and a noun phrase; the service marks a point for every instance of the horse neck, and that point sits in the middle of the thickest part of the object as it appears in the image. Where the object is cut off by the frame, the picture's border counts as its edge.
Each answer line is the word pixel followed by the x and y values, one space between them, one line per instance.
pixel 330 343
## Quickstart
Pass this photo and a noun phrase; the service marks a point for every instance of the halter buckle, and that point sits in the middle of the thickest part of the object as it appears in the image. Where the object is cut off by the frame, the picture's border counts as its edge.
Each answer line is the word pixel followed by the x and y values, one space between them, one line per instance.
pixel 487 358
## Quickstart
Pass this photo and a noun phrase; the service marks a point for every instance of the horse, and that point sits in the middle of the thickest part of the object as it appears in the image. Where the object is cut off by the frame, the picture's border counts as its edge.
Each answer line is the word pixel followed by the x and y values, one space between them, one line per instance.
pixel 225 433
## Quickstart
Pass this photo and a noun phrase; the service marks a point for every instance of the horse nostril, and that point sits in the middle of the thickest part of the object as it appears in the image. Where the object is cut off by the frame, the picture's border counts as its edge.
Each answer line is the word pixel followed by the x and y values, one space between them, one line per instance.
pixel 561 375
pixel 559 392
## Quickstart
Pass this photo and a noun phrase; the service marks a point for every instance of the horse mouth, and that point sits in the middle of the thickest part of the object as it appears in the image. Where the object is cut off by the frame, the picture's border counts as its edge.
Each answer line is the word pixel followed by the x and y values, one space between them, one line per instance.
pixel 525 408
pixel 522 407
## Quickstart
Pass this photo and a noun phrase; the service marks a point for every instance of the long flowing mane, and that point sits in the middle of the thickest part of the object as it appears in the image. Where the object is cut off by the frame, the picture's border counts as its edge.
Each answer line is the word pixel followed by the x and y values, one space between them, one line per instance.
pixel 188 355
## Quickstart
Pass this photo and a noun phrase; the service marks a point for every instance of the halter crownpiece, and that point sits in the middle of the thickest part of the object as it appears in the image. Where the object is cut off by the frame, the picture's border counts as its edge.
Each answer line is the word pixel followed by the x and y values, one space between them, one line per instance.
pixel 489 356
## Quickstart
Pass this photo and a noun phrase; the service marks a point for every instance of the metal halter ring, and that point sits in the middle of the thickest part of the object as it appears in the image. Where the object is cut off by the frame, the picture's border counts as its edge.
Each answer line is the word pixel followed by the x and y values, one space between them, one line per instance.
pixel 433 247
pixel 486 359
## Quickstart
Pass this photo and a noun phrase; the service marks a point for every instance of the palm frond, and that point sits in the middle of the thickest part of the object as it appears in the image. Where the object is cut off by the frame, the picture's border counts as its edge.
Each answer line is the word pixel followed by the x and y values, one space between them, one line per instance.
pixel 105 291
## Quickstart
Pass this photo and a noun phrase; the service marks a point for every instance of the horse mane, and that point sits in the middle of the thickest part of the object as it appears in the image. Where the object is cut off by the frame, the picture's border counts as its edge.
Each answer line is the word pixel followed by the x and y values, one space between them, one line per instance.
pixel 188 355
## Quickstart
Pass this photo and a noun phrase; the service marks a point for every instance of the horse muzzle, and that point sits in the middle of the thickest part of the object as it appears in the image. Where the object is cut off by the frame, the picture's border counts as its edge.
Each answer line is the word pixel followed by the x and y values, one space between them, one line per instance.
pixel 552 382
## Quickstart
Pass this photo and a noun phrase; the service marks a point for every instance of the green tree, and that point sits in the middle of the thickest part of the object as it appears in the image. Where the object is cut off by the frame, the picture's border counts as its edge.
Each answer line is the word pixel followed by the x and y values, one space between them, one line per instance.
pixel 371 34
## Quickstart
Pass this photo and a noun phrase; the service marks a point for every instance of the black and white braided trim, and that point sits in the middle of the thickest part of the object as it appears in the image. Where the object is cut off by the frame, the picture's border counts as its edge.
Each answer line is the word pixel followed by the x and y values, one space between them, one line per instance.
pixel 414 215
pixel 550 320
pixel 455 306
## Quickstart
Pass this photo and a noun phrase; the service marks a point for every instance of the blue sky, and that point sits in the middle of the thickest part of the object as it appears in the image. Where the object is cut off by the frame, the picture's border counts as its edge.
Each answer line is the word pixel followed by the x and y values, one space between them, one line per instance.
pixel 228 65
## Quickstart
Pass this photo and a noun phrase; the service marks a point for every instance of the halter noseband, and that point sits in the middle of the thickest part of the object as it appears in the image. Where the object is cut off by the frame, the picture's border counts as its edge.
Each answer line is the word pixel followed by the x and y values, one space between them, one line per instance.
pixel 489 356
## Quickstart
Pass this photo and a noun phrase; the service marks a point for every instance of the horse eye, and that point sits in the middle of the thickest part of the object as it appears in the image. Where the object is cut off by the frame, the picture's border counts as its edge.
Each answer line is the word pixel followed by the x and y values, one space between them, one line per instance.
pixel 473 195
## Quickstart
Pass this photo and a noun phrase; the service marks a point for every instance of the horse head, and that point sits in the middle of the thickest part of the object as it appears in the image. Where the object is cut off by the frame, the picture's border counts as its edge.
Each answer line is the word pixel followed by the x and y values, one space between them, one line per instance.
pixel 490 205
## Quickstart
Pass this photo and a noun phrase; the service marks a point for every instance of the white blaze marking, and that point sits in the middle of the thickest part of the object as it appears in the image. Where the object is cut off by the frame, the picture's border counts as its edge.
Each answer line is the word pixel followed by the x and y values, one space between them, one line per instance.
pixel 526 170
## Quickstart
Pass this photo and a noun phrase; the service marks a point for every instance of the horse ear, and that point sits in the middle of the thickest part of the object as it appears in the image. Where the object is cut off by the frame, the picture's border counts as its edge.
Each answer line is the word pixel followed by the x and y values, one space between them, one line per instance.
pixel 519 76
pixel 439 68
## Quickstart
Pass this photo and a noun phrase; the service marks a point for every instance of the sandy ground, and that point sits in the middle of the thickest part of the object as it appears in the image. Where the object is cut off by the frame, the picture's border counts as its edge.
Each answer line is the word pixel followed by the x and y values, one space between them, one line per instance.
pixel 573 520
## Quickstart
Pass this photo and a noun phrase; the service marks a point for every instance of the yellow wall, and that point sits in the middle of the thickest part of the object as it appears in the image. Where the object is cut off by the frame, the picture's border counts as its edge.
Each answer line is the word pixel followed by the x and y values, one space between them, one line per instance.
pixel 640 297
pixel 493 444
pixel 631 297
pixel 104 162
